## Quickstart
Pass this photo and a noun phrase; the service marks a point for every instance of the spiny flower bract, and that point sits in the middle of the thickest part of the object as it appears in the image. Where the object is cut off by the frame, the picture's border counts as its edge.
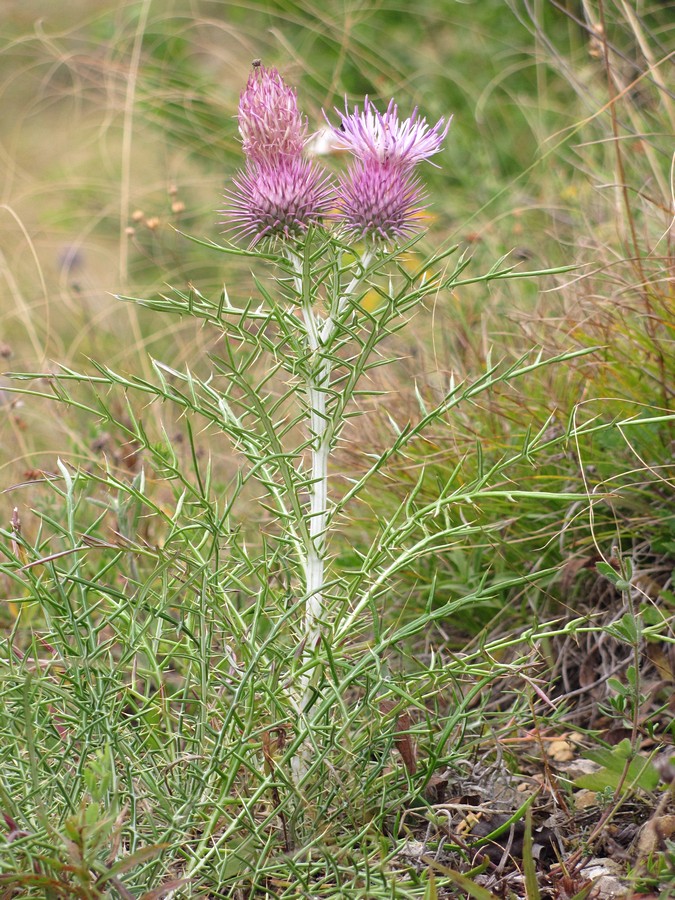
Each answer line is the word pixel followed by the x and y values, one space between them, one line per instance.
pixel 278 199
pixel 270 123
pixel 379 201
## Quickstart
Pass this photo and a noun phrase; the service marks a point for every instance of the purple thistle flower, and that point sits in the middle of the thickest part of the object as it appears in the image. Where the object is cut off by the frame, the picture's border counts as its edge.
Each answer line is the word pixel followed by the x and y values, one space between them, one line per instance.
pixel 379 201
pixel 279 193
pixel 371 135
pixel 270 123
pixel 280 197
pixel 380 198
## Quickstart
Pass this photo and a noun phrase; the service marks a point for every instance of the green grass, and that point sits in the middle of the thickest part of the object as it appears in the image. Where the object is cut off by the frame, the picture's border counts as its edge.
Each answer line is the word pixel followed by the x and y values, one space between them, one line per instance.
pixel 145 726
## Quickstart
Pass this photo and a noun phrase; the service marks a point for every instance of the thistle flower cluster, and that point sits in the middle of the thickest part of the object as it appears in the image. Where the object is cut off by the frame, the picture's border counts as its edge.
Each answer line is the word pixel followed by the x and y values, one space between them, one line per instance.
pixel 281 193
pixel 380 196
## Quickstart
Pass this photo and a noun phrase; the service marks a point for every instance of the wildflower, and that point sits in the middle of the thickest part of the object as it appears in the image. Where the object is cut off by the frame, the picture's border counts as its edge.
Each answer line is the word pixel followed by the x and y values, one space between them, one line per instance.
pixel 380 197
pixel 278 198
pixel 379 201
pixel 371 135
pixel 270 123
pixel 279 193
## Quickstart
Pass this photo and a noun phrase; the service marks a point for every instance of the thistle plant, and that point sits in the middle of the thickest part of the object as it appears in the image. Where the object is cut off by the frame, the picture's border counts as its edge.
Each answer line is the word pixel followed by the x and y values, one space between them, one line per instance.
pixel 283 675
pixel 288 202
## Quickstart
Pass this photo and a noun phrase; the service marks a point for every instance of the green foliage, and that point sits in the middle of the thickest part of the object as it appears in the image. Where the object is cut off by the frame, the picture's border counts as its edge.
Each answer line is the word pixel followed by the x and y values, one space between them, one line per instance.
pixel 153 609
pixel 620 770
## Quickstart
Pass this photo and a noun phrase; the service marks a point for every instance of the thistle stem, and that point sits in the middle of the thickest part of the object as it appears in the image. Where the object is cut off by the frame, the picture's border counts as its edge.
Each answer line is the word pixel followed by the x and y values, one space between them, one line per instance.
pixel 318 503
pixel 320 332
pixel 317 384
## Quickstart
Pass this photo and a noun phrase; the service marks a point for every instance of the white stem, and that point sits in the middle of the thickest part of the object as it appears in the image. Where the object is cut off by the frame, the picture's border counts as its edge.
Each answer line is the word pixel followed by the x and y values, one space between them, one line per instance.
pixel 318 380
pixel 330 325
pixel 320 333
pixel 318 503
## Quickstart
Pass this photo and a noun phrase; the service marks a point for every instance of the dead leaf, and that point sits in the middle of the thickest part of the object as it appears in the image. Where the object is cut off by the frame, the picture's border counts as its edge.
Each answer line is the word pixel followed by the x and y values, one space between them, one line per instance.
pixel 585 799
pixel 402 739
pixel 653 835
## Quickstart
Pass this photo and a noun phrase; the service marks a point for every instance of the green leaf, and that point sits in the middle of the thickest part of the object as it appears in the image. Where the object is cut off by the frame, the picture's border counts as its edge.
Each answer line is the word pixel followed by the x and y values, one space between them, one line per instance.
pixel 532 891
pixel 628 629
pixel 610 573
pixel 641 773
pixel 431 891
pixel 462 881
pixel 130 862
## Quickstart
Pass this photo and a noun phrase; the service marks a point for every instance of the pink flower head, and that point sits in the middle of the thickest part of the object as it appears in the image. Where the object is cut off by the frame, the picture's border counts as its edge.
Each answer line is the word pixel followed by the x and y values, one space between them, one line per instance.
pixel 380 197
pixel 371 135
pixel 270 123
pixel 279 193
pixel 379 201
pixel 280 197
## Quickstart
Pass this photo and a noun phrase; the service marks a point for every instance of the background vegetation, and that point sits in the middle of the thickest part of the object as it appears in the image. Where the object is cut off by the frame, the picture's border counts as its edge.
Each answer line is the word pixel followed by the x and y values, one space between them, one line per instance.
pixel 133 754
